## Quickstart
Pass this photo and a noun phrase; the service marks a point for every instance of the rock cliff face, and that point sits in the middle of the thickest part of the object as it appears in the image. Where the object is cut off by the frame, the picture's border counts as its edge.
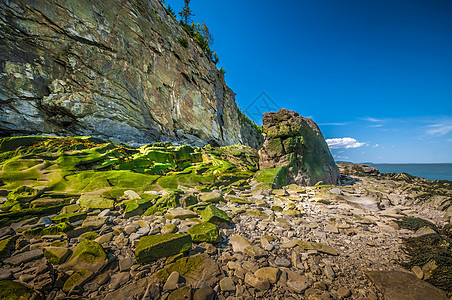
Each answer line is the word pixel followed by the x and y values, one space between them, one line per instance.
pixel 296 150
pixel 113 69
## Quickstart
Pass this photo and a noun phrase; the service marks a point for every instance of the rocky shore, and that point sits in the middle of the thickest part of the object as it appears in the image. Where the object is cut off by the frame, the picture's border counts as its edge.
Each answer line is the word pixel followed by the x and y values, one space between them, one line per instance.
pixel 213 230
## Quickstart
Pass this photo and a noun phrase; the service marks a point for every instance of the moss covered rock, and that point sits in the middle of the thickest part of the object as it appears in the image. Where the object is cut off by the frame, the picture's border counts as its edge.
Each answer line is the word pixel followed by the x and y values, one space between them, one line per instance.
pixel 60 228
pixel 88 255
pixel 95 202
pixel 162 204
pixel 212 197
pixel 10 290
pixel 6 246
pixel 56 255
pixel 71 217
pixel 204 232
pixel 215 215
pixel 163 245
pixel 23 194
pixel 77 279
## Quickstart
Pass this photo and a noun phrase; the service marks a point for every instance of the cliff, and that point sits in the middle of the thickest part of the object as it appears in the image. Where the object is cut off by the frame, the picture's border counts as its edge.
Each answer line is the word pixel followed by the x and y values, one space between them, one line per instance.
pixel 111 69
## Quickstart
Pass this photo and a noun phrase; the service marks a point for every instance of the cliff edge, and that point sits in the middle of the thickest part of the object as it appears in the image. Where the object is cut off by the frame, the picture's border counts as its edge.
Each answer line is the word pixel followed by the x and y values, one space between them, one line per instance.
pixel 111 69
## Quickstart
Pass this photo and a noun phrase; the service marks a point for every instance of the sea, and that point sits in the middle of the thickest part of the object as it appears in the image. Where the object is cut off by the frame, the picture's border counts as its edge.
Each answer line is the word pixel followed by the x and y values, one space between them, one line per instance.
pixel 427 171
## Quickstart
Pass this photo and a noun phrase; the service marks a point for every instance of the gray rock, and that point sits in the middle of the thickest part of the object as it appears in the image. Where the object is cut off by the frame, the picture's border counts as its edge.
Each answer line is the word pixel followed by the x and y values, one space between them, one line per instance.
pixel 126 263
pixel 227 284
pixel 282 262
pixel 24 257
pixel 172 281
pixel 118 280
pixel 204 293
pixel 5 273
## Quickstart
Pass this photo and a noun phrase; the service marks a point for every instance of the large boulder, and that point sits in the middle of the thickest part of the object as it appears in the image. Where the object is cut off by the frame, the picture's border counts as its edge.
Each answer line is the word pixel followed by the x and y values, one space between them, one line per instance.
pixel 294 151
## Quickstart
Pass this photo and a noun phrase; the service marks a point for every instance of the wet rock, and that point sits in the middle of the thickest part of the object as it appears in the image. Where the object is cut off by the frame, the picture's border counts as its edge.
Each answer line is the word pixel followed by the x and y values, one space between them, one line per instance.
pixel 227 284
pixel 172 281
pixel 79 278
pixel 181 293
pixel 95 202
pixel 261 284
pixel 215 215
pixel 396 285
pixel 56 255
pixel 157 246
pixel 88 255
pixel 204 293
pixel 212 197
pixel 204 232
pixel 24 257
pixel 272 274
pixel 118 280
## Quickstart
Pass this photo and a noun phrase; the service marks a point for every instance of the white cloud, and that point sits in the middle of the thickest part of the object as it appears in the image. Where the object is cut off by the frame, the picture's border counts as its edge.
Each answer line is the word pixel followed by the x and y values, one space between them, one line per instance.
pixel 346 142
pixel 373 120
pixel 376 145
pixel 439 129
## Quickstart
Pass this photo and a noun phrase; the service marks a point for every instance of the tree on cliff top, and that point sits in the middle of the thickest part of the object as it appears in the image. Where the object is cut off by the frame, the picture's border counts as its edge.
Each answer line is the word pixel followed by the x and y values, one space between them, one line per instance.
pixel 186 12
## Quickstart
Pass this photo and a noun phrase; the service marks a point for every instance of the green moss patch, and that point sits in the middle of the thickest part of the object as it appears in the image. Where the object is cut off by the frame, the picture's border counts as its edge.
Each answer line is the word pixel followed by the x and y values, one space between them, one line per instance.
pixel 77 279
pixel 215 215
pixel 184 266
pixel 204 232
pixel 10 290
pixel 51 230
pixel 163 245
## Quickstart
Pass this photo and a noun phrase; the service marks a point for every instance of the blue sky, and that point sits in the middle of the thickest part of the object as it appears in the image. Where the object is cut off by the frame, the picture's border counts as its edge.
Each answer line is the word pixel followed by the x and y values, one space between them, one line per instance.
pixel 375 75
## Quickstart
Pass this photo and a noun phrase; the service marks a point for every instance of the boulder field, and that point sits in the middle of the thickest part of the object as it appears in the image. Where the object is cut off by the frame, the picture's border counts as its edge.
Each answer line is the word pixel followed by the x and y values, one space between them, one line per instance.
pixel 86 219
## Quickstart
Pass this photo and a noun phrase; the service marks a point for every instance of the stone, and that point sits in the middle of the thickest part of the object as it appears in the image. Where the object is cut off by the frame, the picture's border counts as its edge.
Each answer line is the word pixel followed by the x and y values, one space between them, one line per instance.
pixel 172 281
pixel 6 231
pixel 6 246
pixel 204 232
pixel 70 209
pixel 163 245
pixel 254 251
pixel 238 243
pixel 331 228
pixel 212 197
pixel 95 222
pixel 131 228
pixel 257 282
pixel 418 272
pixel 272 274
pixel 169 228
pixel 5 273
pixel 56 255
pixel 397 285
pixel 131 195
pixel 343 292
pixel 282 262
pixel 88 255
pixel 215 215
pixel 181 293
pixel 135 290
pixel 204 293
pixel 294 152
pixel 79 278
pixel 227 284
pixel 126 263
pixel 180 213
pixel 105 238
pixel 424 231
pixel 95 202
pixel 197 270
pixel 298 286
pixel 11 290
pixel 24 257
pixel 117 280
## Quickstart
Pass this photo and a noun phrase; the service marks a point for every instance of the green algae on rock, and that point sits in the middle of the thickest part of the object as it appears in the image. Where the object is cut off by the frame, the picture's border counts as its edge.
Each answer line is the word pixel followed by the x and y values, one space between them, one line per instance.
pixel 77 279
pixel 11 290
pixel 215 215
pixel 56 255
pixel 60 228
pixel 204 232
pixel 94 202
pixel 154 247
pixel 69 217
pixel 212 197
pixel 6 246
pixel 88 255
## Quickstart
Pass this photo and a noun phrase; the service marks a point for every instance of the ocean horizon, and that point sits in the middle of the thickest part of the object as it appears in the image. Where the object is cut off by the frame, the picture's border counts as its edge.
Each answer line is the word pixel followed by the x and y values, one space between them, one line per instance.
pixel 430 171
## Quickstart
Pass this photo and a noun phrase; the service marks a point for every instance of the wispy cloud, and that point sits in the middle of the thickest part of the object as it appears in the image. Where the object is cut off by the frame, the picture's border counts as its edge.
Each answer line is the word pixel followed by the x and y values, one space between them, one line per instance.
pixel 333 124
pixel 346 142
pixel 439 129
pixel 376 125
pixel 373 120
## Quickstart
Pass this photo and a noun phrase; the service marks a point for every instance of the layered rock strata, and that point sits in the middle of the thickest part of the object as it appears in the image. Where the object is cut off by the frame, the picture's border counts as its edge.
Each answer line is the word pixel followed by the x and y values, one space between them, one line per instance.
pixel 112 69
pixel 296 146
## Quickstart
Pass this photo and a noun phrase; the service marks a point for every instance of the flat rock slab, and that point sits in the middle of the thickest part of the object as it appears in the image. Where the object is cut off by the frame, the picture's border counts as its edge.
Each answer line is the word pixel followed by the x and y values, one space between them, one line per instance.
pixel 24 257
pixel 397 285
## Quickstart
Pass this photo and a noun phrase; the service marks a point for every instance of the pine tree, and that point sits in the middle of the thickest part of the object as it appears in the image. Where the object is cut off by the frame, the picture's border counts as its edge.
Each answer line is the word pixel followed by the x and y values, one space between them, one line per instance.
pixel 186 12
pixel 206 34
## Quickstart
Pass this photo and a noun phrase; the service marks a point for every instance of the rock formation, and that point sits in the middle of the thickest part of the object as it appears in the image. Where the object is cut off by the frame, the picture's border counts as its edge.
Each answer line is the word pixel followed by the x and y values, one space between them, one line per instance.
pixel 112 69
pixel 295 150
